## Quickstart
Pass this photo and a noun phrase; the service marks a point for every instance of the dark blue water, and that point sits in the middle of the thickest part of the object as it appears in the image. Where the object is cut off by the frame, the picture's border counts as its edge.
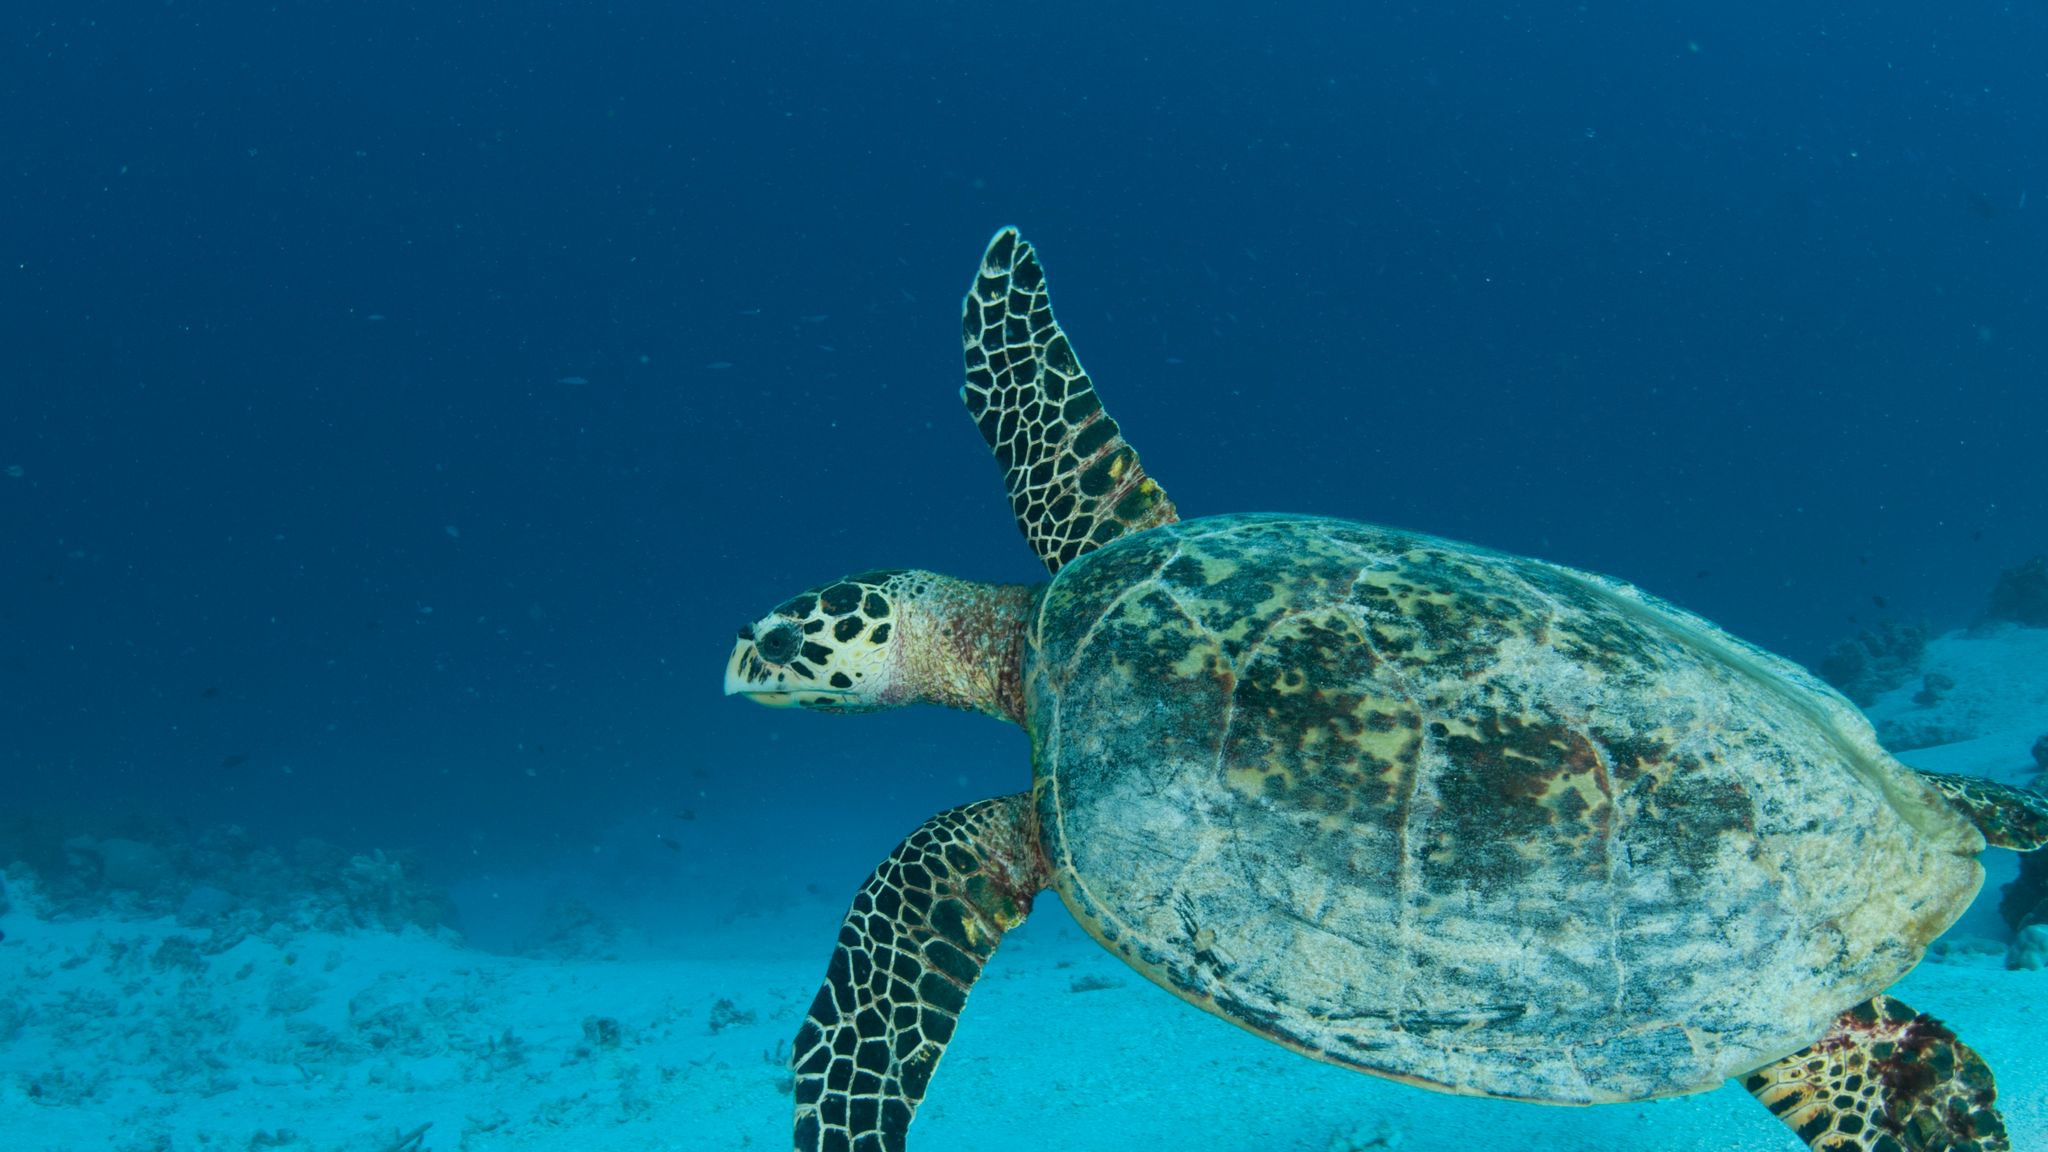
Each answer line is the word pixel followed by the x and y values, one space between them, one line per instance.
pixel 410 400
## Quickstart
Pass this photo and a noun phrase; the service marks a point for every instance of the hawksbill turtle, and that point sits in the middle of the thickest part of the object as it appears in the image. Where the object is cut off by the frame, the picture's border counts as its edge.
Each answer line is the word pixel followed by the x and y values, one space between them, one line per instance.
pixel 1476 822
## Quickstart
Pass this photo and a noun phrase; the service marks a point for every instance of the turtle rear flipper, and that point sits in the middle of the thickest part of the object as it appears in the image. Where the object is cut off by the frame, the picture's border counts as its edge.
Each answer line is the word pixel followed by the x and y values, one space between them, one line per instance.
pixel 2009 817
pixel 1885 1079
pixel 912 945
pixel 1074 484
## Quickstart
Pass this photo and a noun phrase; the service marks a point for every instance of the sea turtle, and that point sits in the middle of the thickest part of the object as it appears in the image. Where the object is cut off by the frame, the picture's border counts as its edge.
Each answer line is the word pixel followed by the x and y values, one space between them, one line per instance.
pixel 1480 823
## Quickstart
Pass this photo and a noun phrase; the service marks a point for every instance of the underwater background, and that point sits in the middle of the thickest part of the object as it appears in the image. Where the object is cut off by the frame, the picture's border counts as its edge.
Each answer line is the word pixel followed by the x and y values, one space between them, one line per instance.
pixel 402 404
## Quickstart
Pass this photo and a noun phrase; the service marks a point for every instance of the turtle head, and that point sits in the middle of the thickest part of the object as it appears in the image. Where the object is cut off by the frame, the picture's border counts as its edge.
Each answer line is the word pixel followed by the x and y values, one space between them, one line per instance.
pixel 833 648
pixel 880 639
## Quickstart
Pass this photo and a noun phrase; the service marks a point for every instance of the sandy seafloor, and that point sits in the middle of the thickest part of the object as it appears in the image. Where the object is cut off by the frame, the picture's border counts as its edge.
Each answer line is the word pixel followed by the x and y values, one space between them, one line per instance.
pixel 351 1042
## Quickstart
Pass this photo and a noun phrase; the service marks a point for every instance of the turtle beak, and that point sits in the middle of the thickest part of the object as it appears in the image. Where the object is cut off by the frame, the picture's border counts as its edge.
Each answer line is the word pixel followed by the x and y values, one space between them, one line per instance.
pixel 746 674
pixel 771 699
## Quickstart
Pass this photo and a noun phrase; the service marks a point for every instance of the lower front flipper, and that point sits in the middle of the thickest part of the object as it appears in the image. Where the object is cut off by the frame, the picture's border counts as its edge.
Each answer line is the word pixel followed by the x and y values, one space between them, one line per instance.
pixel 912 945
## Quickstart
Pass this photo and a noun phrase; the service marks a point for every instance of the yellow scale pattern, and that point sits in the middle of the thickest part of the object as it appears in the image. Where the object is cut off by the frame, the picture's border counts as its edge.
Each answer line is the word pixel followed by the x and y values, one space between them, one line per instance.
pixel 1073 482
pixel 910 950
pixel 1885 1079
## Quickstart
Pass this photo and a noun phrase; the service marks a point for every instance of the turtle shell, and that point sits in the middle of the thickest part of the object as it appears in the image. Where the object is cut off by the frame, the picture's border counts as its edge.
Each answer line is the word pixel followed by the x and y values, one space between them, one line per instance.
pixel 1468 820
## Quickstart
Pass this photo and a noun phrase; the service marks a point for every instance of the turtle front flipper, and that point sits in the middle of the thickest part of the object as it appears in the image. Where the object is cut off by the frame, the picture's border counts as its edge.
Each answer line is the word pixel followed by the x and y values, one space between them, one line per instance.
pixel 1074 484
pixel 2009 817
pixel 1885 1079
pixel 912 945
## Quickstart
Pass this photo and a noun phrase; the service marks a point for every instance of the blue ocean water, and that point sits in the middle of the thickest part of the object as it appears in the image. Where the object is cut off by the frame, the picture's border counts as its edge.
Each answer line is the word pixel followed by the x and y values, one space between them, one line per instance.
pixel 403 404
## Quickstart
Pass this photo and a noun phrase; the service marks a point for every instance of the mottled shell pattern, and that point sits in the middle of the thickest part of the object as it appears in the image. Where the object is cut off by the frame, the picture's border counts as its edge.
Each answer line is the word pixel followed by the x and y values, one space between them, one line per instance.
pixel 1468 820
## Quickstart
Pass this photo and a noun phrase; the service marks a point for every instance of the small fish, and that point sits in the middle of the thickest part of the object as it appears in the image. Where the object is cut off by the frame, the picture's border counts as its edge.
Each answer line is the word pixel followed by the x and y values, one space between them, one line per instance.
pixel 1882 604
pixel 686 813
pixel 717 365
pixel 234 761
pixel 669 844
pixel 572 381
pixel 208 693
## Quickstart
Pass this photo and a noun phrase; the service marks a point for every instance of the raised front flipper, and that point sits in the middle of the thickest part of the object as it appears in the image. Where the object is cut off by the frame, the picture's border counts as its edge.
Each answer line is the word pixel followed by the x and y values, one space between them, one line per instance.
pixel 912 945
pixel 1074 484
pixel 1885 1079
pixel 2009 817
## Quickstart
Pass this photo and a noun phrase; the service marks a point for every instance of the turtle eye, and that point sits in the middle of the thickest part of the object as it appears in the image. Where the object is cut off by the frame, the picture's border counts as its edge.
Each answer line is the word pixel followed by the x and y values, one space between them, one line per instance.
pixel 780 644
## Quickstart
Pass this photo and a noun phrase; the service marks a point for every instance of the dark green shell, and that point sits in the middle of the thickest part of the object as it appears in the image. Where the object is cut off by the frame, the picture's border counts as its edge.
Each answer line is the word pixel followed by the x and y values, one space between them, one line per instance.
pixel 1468 820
